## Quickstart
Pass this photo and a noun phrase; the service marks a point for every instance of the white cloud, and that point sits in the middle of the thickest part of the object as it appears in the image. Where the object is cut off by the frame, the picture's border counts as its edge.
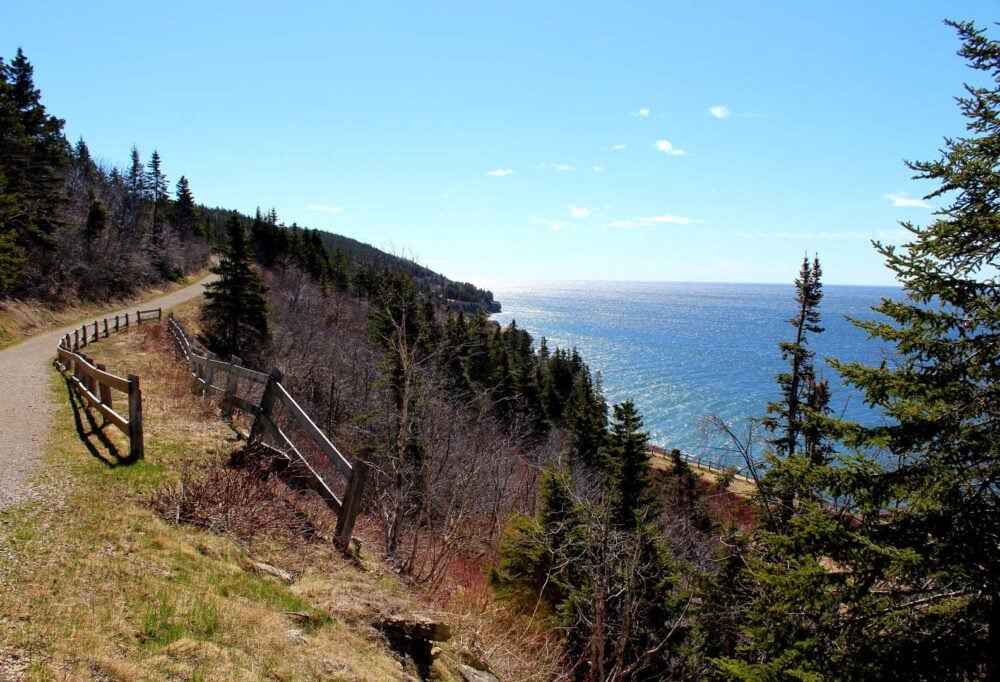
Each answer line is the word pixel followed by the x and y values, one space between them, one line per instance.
pixel 719 111
pixel 500 172
pixel 561 167
pixel 618 147
pixel 324 209
pixel 642 113
pixel 666 147
pixel 554 225
pixel 598 169
pixel 651 220
pixel 579 212
pixel 900 200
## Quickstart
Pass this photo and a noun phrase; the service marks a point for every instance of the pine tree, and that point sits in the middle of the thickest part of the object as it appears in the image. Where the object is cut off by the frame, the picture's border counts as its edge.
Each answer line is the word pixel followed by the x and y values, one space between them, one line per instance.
pixel 802 397
pixel 156 186
pixel 626 464
pixel 11 254
pixel 185 213
pixel 935 471
pixel 340 269
pixel 84 162
pixel 97 218
pixel 586 425
pixel 33 153
pixel 136 179
pixel 895 574
pixel 234 316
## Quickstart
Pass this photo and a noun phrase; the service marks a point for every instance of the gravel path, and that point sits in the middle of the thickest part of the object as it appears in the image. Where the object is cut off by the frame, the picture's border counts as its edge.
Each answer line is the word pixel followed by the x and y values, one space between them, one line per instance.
pixel 26 400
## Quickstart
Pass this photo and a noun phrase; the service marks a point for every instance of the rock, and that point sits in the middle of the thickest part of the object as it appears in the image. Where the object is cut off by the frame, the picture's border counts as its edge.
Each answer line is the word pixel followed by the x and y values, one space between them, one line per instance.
pixel 413 636
pixel 268 569
pixel 470 674
pixel 417 626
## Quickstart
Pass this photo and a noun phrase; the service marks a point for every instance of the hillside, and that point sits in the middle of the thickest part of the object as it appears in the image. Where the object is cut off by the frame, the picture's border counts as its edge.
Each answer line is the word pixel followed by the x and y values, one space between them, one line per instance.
pixel 101 582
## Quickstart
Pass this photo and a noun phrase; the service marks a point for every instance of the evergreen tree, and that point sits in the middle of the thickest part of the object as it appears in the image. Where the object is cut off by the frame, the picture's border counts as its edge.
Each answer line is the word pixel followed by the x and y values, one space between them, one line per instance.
pixel 626 464
pixel 156 186
pixel 586 426
pixel 536 553
pixel 84 162
pixel 893 573
pixel 802 397
pixel 136 179
pixel 340 269
pixel 934 470
pixel 33 153
pixel 234 316
pixel 11 253
pixel 97 218
pixel 185 213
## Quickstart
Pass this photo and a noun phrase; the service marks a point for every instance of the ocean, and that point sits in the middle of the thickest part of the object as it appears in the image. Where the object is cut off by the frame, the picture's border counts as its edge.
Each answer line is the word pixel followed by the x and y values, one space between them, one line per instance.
pixel 683 351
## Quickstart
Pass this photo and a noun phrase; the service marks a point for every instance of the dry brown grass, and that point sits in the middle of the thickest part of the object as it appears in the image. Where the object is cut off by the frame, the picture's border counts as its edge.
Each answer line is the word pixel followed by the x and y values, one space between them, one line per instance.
pixel 97 586
pixel 151 570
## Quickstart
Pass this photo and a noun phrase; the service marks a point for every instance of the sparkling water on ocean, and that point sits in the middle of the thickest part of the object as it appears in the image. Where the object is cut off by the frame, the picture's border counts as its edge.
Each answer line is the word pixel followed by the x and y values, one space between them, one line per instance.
pixel 682 351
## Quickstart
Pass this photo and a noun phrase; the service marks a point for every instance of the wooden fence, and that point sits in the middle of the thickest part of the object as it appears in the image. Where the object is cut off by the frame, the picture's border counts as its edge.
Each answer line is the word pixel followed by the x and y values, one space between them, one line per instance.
pixel 698 462
pixel 95 384
pixel 209 372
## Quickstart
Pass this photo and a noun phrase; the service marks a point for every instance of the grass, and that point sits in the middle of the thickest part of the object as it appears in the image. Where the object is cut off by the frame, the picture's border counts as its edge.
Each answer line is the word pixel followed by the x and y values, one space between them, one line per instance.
pixel 95 586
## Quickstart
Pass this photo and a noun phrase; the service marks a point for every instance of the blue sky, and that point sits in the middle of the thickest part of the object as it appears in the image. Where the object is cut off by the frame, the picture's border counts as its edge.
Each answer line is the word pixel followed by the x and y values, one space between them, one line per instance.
pixel 682 141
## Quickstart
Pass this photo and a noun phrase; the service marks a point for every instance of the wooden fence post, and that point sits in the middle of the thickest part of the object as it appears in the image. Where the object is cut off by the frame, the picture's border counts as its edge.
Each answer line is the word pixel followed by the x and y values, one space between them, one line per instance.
pixel 266 404
pixel 231 381
pixel 136 448
pixel 116 324
pixel 210 371
pixel 138 317
pixel 105 391
pixel 105 327
pixel 76 340
pixel 96 335
pixel 83 336
pixel 90 381
pixel 126 321
pixel 352 504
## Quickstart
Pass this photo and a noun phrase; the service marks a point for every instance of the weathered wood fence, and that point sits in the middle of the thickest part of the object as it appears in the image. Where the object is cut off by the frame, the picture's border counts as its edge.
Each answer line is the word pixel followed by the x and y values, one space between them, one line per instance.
pixel 95 384
pixel 293 433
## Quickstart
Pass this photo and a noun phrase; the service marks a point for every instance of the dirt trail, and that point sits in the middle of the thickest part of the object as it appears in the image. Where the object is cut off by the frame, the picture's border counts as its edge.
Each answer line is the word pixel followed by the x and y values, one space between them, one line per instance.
pixel 26 400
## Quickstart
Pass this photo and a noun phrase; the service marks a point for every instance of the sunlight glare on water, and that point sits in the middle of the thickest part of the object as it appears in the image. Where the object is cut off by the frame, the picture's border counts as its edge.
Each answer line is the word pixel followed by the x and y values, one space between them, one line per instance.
pixel 682 351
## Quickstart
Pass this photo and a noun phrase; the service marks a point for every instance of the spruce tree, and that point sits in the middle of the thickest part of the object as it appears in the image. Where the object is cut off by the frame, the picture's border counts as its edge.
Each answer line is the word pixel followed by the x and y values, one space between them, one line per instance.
pixel 626 464
pixel 933 472
pixel 97 218
pixel 11 253
pixel 894 574
pixel 793 419
pixel 185 213
pixel 586 425
pixel 156 186
pixel 33 153
pixel 234 316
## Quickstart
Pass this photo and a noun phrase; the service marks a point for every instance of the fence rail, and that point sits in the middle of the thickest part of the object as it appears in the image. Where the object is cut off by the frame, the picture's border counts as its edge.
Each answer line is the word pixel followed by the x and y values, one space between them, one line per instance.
pixel 707 464
pixel 94 383
pixel 204 365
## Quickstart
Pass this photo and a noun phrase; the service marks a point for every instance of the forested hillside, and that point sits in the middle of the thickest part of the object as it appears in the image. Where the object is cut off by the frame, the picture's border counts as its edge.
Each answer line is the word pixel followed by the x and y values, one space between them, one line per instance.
pixel 75 228
pixel 863 553
pixel 871 552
